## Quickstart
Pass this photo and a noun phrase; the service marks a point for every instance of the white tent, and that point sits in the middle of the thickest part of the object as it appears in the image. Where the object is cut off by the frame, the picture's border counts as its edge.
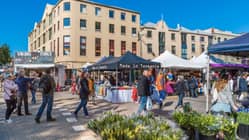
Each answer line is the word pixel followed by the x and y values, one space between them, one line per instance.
pixel 86 65
pixel 202 60
pixel 169 60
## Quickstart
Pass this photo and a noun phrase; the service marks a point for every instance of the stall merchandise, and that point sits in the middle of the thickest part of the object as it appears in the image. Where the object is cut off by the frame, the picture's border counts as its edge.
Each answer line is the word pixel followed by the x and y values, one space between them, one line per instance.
pixel 114 94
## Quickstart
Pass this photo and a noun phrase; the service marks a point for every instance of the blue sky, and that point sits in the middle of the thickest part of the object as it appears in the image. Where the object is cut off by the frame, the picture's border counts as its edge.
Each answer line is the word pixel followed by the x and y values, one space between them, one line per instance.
pixel 18 16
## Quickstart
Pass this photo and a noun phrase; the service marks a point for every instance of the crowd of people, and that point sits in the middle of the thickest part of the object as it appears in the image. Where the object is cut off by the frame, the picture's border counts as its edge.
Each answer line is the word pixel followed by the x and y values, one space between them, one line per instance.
pixel 16 88
pixel 229 92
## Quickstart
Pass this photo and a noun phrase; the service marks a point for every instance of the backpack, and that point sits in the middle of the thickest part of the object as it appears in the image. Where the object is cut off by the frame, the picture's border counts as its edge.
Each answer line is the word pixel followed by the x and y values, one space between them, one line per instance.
pixel 46 84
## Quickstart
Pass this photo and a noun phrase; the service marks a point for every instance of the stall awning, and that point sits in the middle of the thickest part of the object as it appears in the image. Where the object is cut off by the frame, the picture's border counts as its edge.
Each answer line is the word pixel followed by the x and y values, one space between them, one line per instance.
pixel 238 46
pixel 127 61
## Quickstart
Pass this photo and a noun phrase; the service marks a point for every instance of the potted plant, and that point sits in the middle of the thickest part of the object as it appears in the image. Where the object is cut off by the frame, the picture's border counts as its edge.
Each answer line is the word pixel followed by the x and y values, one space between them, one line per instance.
pixel 243 128
pixel 118 127
pixel 187 121
pixel 207 127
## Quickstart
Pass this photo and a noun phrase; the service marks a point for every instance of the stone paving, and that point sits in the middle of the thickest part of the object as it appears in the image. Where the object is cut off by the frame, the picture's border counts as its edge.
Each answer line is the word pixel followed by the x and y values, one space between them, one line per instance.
pixel 67 127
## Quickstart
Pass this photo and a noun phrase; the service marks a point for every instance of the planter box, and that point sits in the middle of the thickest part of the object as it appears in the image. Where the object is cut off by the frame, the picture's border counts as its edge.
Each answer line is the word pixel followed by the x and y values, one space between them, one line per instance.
pixel 202 137
pixel 243 131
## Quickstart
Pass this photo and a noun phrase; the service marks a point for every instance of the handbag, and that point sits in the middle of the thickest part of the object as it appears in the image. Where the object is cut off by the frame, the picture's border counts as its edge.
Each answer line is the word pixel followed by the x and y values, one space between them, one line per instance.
pixel 149 104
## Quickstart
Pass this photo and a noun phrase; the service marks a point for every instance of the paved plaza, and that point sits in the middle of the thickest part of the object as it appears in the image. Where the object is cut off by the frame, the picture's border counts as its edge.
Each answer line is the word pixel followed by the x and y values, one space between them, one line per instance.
pixel 67 127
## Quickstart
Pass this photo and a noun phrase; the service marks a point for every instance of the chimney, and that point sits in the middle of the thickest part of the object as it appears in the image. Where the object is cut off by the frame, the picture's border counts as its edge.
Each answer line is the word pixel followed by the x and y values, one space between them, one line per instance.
pixel 212 30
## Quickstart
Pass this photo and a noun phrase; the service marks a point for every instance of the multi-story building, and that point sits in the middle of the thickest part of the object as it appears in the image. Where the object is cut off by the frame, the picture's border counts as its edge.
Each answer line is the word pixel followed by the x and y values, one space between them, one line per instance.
pixel 183 42
pixel 80 31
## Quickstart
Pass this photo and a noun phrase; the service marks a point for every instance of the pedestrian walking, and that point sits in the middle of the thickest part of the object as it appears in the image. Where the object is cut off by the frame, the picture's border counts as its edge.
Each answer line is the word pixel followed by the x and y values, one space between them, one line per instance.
pixel 47 85
pixel 84 93
pixel 193 86
pixel 74 88
pixel 34 87
pixel 143 91
pixel 91 89
pixel 243 90
pixel 10 92
pixel 160 81
pixel 22 94
pixel 180 90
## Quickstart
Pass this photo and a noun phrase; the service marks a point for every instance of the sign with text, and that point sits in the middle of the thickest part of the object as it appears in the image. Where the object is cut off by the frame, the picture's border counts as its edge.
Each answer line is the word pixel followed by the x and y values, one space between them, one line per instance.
pixel 34 58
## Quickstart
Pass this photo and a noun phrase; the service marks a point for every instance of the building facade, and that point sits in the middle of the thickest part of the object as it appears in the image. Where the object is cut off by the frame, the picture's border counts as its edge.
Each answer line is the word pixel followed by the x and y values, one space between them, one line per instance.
pixel 155 38
pixel 81 31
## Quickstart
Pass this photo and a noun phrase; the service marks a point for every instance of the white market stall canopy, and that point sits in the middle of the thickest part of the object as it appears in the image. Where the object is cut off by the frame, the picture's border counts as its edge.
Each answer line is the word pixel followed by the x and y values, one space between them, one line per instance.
pixel 169 60
pixel 34 66
pixel 201 60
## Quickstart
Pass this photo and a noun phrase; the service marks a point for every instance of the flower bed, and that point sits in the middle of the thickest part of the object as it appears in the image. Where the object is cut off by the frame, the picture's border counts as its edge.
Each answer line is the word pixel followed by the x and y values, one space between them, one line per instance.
pixel 116 127
pixel 208 126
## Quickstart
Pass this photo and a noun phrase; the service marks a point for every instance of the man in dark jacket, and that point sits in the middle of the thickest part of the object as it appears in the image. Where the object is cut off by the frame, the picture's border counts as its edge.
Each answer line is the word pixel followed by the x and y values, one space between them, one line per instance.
pixel 22 83
pixel 180 90
pixel 243 90
pixel 84 93
pixel 47 85
pixel 143 91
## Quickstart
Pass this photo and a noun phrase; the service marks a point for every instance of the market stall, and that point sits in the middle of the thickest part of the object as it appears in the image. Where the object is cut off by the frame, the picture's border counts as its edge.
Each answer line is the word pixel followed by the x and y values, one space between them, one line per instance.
pixel 238 47
pixel 118 92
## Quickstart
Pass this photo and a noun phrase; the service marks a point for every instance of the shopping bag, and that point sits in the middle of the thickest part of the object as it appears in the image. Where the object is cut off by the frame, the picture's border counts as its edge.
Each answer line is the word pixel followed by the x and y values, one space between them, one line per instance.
pixel 155 95
pixel 149 104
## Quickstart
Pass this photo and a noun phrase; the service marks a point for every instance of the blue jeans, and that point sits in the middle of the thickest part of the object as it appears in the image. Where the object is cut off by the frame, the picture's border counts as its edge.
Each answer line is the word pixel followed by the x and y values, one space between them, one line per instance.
pixel 142 106
pixel 33 100
pixel 193 92
pixel 162 96
pixel 83 104
pixel 180 99
pixel 47 99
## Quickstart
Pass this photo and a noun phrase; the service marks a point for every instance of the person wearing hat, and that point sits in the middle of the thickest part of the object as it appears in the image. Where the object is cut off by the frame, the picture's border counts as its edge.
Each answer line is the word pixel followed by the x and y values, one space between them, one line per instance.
pixel 10 91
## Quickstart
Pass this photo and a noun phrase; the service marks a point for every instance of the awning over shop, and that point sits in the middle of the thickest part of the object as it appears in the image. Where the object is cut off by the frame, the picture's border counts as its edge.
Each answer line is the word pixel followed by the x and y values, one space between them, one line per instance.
pixel 34 66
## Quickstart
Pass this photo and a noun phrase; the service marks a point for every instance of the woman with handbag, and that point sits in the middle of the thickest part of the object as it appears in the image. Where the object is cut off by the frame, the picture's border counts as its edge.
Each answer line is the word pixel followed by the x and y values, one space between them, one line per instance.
pixel 222 97
pixel 10 91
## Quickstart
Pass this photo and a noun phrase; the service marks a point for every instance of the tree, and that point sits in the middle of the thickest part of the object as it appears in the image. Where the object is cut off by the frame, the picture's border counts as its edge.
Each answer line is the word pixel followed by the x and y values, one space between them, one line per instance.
pixel 5 57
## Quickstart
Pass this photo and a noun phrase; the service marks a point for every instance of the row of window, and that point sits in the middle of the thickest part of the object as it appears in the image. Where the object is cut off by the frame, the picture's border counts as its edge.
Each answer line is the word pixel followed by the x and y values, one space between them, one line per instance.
pixel 83 46
pixel 83 9
pixel 83 25
pixel 173 48
pixel 173 36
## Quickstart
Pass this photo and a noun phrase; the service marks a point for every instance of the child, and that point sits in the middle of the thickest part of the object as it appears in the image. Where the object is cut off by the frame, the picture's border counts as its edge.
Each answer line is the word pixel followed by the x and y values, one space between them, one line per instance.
pixel 73 88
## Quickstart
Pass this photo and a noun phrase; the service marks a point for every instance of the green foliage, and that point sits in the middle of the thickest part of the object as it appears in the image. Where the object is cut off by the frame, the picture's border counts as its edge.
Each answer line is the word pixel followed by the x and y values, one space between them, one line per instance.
pixel 5 57
pixel 207 125
pixel 243 118
pixel 117 127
